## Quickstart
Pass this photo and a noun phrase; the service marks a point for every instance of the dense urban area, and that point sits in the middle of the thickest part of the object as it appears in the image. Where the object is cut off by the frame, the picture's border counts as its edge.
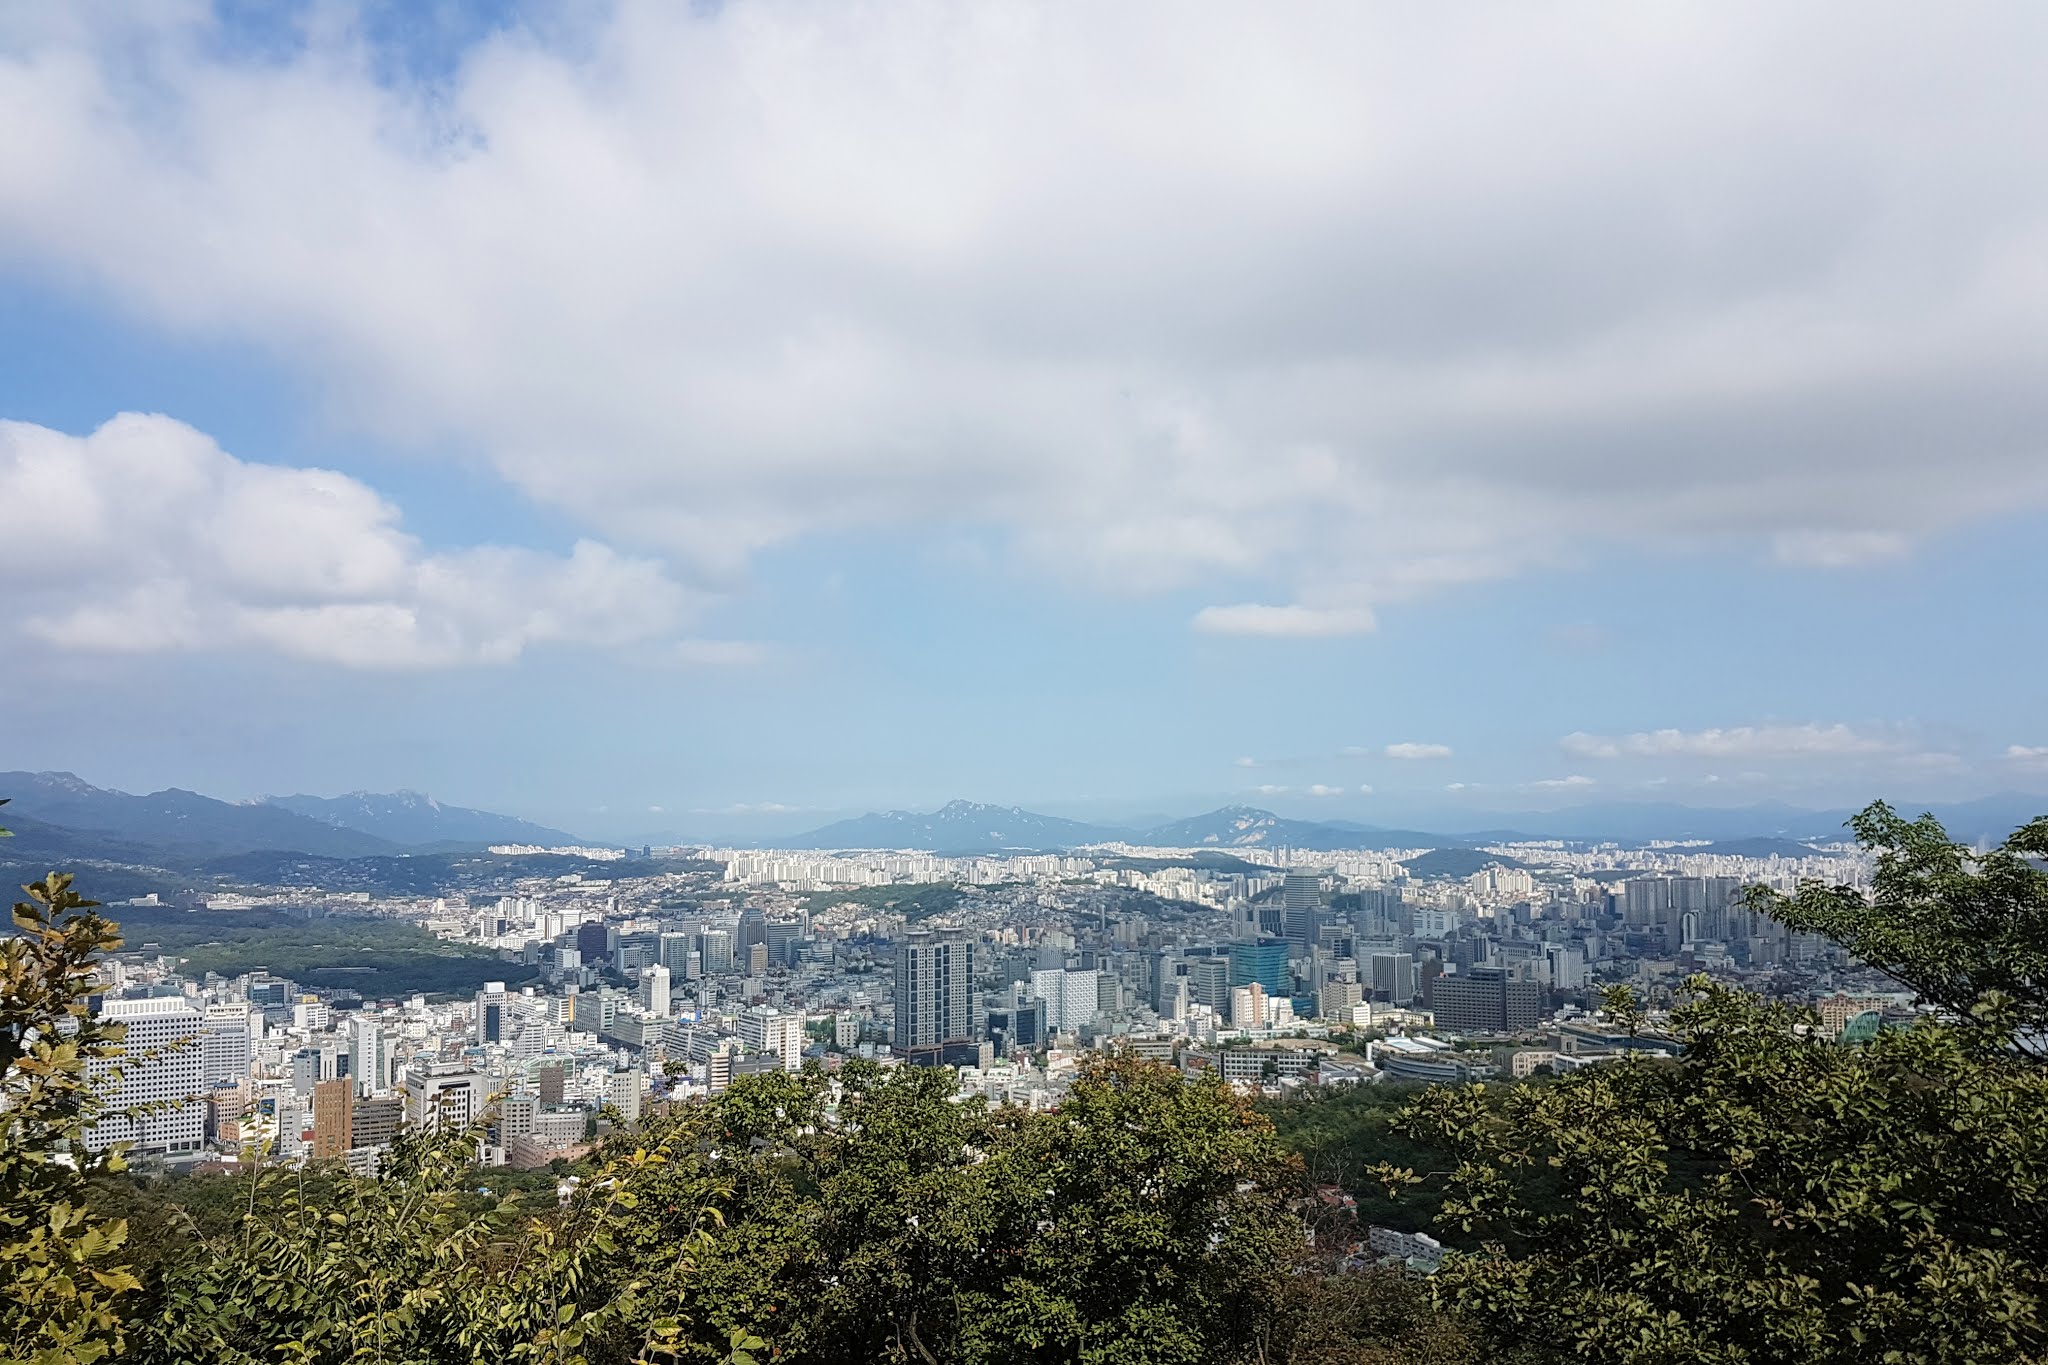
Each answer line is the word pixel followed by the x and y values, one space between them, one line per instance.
pixel 1277 969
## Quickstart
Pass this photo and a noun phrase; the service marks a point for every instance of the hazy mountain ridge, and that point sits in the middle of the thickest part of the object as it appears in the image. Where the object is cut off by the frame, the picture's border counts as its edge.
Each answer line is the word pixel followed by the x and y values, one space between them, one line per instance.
pixel 1250 827
pixel 410 818
pixel 177 820
pixel 956 827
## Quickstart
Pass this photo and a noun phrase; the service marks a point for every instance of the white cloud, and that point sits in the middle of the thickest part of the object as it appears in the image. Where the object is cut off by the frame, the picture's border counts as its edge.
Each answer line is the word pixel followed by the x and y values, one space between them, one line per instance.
pixel 1290 622
pixel 1270 789
pixel 1364 789
pixel 1417 751
pixel 152 538
pixel 1163 294
pixel 1324 789
pixel 2027 753
pixel 1246 762
pixel 1561 783
pixel 698 653
pixel 1839 549
pixel 1740 741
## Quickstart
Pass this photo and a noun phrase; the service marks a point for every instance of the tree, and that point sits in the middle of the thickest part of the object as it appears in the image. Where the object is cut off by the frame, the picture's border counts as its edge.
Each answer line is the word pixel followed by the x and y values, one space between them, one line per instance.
pixel 61 1275
pixel 1967 931
pixel 1772 1194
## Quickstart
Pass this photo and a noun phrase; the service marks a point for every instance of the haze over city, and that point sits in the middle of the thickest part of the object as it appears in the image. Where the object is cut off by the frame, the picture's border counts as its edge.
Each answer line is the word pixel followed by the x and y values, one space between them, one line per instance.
pixel 661 420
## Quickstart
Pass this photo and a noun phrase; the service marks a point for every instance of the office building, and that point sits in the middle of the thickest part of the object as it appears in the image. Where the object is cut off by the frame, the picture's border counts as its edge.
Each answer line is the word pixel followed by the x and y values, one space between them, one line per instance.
pixel 444 1095
pixel 1209 982
pixel 594 942
pixel 622 1091
pixel 227 1046
pixel 1300 911
pixel 333 1119
pixel 370 1064
pixel 715 947
pixel 1393 978
pixel 492 1023
pixel 1263 962
pixel 1072 999
pixel 654 982
pixel 1486 1000
pixel 1019 1026
pixel 767 1030
pixel 161 1066
pixel 374 1121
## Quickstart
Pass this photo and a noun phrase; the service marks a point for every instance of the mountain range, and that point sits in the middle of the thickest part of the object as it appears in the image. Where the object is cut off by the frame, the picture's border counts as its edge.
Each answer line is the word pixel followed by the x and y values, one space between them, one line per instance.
pixel 411 818
pixel 962 827
pixel 61 811
pixel 58 817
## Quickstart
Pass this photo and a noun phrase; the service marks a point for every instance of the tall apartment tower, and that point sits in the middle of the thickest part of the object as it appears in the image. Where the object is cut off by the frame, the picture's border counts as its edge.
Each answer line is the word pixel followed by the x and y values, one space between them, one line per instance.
pixel 934 990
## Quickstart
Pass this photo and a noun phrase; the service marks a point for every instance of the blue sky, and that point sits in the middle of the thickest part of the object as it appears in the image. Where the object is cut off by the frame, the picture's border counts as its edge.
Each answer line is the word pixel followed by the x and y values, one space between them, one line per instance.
pixel 667 421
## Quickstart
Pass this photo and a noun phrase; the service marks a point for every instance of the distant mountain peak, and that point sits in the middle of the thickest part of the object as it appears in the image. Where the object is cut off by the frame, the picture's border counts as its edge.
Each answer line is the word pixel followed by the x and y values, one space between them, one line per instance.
pixel 410 817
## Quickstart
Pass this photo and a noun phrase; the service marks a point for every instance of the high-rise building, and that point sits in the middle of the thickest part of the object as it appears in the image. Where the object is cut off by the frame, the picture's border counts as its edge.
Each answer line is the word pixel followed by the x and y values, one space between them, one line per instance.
pixel 1393 977
pixel 753 928
pixel 1486 999
pixel 1264 962
pixel 595 940
pixel 1300 911
pixel 1019 1025
pixel 675 953
pixel 768 1030
pixel 227 1046
pixel 492 1022
pixel 160 1074
pixel 1567 963
pixel 1646 902
pixel 370 1063
pixel 1072 999
pixel 782 938
pixel 716 948
pixel 444 1095
pixel 934 990
pixel 548 1081
pixel 333 1119
pixel 374 1121
pixel 622 1091
pixel 654 982
pixel 1209 982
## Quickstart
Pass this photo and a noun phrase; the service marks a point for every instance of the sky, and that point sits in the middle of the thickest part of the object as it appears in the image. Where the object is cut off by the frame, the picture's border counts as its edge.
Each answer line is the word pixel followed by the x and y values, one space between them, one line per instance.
pixel 684 420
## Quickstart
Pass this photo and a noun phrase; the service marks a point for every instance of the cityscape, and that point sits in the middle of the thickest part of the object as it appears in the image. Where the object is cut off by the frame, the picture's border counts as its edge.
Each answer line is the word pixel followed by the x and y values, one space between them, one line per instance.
pixel 1018 682
pixel 1272 967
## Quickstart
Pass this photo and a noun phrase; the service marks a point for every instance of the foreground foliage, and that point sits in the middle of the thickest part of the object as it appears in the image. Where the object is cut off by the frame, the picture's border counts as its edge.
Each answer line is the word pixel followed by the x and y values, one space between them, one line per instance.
pixel 1773 1195
pixel 61 1275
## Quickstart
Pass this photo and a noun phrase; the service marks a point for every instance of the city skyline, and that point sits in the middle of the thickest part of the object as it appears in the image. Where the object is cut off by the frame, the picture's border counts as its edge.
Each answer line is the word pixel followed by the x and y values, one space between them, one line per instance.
pixel 644 419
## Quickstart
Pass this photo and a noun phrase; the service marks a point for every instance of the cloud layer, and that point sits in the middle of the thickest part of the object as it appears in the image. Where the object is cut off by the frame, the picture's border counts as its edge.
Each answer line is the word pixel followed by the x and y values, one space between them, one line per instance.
pixel 1740 741
pixel 1319 308
pixel 149 537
